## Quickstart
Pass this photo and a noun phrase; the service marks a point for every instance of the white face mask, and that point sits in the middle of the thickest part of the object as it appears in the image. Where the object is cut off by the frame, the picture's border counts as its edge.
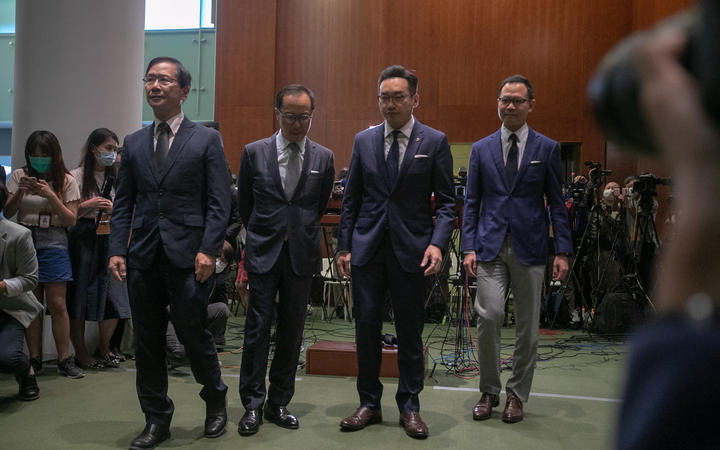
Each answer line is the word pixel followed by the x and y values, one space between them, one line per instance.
pixel 219 266
pixel 607 194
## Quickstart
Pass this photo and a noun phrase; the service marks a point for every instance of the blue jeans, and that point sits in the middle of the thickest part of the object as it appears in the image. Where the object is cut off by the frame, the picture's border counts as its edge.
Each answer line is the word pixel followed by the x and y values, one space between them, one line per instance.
pixel 12 339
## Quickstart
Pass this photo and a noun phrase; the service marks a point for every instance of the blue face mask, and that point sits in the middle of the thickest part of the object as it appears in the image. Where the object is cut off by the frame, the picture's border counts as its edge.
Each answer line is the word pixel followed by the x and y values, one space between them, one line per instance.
pixel 107 158
pixel 41 164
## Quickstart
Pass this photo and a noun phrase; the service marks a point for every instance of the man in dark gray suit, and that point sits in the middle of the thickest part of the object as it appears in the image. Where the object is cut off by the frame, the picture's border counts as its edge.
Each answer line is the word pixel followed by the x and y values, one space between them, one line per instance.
pixel 284 184
pixel 173 193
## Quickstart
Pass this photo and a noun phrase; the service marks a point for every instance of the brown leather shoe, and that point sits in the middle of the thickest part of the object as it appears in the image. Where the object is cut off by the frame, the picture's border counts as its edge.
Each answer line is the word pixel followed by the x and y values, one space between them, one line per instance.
pixel 414 425
pixel 362 417
pixel 483 408
pixel 513 409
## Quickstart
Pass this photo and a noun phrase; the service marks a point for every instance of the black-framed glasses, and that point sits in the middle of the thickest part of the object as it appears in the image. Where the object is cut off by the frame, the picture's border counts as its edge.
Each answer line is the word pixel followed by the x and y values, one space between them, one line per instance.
pixel 292 118
pixel 396 98
pixel 516 101
pixel 162 79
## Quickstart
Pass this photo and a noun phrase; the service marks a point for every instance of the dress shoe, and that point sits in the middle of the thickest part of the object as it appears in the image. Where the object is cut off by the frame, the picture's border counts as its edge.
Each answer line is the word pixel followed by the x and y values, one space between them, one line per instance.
pixel 280 415
pixel 215 419
pixel 414 425
pixel 29 389
pixel 483 408
pixel 250 422
pixel 513 409
pixel 361 418
pixel 151 436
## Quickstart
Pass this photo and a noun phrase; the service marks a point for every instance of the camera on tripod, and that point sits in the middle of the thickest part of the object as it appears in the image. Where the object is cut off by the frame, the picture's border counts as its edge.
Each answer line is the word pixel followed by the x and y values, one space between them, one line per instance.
pixel 646 184
pixel 460 182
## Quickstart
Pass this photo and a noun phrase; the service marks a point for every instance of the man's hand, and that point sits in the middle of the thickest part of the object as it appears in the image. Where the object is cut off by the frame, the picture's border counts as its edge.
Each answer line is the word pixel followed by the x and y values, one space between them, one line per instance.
pixel 432 258
pixel 560 267
pixel 343 263
pixel 117 269
pixel 204 266
pixel 470 264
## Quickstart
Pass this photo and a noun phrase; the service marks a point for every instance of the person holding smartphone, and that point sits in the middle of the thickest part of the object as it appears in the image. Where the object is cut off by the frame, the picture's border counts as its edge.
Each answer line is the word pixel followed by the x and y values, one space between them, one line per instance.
pixel 44 196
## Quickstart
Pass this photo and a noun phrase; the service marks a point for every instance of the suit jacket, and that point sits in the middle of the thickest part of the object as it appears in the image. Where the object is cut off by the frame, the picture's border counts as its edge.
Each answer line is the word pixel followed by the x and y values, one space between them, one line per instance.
pixel 373 205
pixel 18 262
pixel 269 216
pixel 492 207
pixel 185 206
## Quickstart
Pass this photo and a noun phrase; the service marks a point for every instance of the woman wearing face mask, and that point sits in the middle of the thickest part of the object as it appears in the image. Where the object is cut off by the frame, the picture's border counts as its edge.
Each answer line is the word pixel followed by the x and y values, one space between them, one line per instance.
pixel 93 295
pixel 45 197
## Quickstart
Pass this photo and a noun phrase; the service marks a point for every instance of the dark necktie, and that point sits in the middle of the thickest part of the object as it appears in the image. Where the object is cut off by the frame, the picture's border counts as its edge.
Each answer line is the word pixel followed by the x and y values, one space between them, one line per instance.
pixel 511 166
pixel 292 170
pixel 393 157
pixel 162 146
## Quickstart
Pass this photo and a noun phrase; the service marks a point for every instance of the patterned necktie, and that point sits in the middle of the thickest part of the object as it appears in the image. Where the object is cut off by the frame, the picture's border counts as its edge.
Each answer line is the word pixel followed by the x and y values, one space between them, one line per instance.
pixel 511 166
pixel 393 157
pixel 292 170
pixel 162 146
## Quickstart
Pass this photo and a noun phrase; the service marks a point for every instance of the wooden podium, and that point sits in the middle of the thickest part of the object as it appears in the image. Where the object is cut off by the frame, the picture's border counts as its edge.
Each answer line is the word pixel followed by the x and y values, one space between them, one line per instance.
pixel 340 358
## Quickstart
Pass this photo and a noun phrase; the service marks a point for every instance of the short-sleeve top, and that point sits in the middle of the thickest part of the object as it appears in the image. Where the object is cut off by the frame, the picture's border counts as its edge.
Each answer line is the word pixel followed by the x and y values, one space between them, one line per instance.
pixel 32 205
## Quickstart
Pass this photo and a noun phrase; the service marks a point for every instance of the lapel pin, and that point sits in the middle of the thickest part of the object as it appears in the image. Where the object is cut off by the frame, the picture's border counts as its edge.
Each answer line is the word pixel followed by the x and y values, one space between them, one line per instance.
pixel 417 139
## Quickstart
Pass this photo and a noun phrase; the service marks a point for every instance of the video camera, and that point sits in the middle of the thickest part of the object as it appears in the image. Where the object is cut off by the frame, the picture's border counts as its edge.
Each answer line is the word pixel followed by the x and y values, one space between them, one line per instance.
pixel 646 184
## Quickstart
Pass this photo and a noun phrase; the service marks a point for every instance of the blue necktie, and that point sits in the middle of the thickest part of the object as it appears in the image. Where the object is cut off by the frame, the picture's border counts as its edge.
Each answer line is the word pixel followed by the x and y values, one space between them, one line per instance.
pixel 511 166
pixel 393 157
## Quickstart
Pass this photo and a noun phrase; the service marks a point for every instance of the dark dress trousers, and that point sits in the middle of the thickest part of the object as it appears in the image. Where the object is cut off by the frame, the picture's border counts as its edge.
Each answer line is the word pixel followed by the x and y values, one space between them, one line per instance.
pixel 282 253
pixel 174 212
pixel 387 226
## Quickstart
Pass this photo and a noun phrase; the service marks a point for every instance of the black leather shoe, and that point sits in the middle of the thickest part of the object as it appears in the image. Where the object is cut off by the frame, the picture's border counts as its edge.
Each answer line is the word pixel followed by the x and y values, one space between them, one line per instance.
pixel 29 389
pixel 151 436
pixel 215 419
pixel 250 422
pixel 279 415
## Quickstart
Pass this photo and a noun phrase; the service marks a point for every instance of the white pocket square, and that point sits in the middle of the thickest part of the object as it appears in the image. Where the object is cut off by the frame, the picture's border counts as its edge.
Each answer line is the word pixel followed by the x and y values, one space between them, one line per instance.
pixel 314 171
pixel 535 162
pixel 421 156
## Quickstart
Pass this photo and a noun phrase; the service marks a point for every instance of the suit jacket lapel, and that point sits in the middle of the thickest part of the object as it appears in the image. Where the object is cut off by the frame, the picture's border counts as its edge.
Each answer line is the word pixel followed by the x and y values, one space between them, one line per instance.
pixel 379 153
pixel 149 150
pixel 3 244
pixel 184 133
pixel 307 164
pixel 273 168
pixel 497 156
pixel 528 154
pixel 414 142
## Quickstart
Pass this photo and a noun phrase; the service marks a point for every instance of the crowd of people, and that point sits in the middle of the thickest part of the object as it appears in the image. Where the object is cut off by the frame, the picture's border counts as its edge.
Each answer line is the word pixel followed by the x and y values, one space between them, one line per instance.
pixel 106 242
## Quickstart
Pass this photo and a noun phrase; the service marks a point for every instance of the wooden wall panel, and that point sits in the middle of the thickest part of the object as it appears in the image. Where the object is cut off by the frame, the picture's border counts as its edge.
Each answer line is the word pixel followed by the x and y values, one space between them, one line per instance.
pixel 460 50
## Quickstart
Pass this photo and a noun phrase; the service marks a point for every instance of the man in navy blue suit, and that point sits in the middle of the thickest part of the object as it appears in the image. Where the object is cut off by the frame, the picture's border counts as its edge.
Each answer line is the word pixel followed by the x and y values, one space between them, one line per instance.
pixel 387 227
pixel 173 193
pixel 512 173
pixel 284 184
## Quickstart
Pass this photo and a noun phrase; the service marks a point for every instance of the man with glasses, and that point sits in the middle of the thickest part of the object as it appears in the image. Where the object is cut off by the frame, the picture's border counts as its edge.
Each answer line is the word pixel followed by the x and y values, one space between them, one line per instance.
pixel 284 184
pixel 512 173
pixel 387 228
pixel 173 194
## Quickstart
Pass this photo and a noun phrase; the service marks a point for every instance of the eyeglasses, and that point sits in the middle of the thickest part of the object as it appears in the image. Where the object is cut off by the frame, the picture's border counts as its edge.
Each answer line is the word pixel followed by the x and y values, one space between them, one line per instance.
pixel 163 80
pixel 397 98
pixel 516 101
pixel 292 118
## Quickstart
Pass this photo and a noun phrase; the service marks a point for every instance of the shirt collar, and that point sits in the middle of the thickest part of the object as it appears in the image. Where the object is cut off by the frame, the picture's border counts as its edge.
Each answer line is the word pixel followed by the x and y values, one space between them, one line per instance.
pixel 282 143
pixel 521 133
pixel 174 123
pixel 406 129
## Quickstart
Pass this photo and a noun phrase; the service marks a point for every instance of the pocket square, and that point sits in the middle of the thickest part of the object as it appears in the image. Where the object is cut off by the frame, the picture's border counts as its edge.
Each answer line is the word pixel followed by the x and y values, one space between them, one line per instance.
pixel 421 156
pixel 535 162
pixel 314 171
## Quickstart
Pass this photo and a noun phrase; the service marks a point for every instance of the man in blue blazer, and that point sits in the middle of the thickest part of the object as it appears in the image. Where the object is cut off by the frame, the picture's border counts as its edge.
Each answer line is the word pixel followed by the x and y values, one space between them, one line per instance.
pixel 511 175
pixel 387 228
pixel 284 184
pixel 173 194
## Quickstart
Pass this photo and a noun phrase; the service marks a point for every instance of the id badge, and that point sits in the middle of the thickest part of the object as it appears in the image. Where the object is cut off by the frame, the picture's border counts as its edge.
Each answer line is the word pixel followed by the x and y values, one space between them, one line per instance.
pixel 44 220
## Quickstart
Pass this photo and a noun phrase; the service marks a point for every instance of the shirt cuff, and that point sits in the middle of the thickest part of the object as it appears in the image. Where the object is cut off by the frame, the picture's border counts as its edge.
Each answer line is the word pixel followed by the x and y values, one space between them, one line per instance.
pixel 14 287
